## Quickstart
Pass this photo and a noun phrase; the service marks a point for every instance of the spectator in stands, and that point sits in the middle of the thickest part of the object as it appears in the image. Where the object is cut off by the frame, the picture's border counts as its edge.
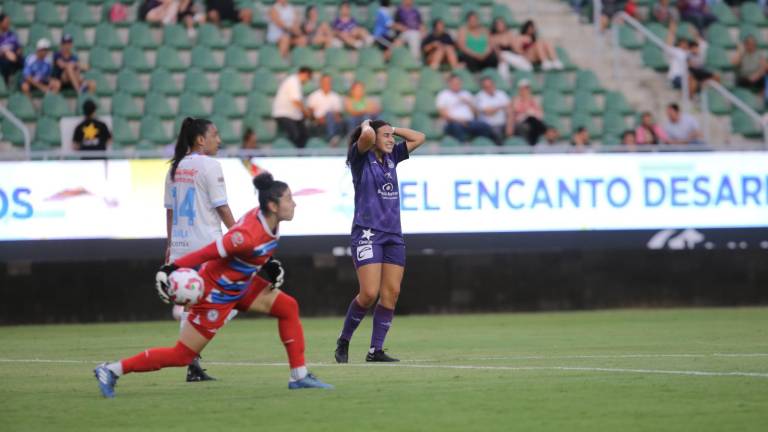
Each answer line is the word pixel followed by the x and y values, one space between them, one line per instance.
pixel 681 128
pixel 188 15
pixel 409 25
pixel 284 27
pixel 750 64
pixel 160 11
pixel 697 13
pixel 552 136
pixel 628 138
pixel 359 107
pixel 457 107
pixel 438 47
pixel 609 9
pixel 91 134
pixel 539 51
pixel 316 32
pixel 67 68
pixel 474 44
pixel 525 116
pixel 348 31
pixel 384 35
pixel 226 10
pixel 665 14
pixel 11 54
pixel 326 107
pixel 508 48
pixel 250 141
pixel 649 132
pixel 580 138
pixel 688 56
pixel 492 105
pixel 288 107
pixel 38 70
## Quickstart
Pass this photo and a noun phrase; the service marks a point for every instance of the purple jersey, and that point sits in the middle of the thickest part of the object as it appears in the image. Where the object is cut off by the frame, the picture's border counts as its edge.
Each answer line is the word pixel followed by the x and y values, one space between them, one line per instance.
pixel 344 26
pixel 377 193
pixel 9 41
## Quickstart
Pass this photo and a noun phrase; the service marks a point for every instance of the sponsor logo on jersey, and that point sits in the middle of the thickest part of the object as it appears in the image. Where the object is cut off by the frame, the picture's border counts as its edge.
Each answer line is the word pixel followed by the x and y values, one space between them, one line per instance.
pixel 364 252
pixel 237 238
pixel 387 191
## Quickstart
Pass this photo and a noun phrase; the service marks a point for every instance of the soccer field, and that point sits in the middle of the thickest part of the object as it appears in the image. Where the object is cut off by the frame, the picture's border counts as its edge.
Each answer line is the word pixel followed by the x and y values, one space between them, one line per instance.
pixel 690 369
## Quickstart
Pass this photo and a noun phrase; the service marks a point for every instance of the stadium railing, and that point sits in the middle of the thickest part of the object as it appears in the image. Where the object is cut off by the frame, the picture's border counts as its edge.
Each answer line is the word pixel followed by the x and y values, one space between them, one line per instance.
pixel 738 103
pixel 21 126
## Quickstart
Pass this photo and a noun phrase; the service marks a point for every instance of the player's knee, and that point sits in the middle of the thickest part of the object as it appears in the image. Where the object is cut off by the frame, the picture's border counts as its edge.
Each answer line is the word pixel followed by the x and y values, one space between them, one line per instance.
pixel 285 306
pixel 184 355
pixel 366 298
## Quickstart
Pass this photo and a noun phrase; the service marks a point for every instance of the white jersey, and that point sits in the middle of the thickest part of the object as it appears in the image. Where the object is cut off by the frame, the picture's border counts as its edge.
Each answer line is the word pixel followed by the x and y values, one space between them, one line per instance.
pixel 194 194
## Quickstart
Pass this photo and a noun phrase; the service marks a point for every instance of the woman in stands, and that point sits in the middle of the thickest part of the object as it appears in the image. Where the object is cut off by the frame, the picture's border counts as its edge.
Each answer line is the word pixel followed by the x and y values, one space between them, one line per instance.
pixel 230 267
pixel 195 202
pixel 317 33
pixel 378 249
pixel 474 43
pixel 508 48
pixel 539 51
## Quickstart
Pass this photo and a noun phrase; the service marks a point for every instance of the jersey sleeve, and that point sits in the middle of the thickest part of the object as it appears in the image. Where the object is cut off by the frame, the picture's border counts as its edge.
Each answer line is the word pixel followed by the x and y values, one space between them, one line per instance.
pixel 400 152
pixel 235 242
pixel 214 183
pixel 168 199
pixel 355 157
pixel 78 135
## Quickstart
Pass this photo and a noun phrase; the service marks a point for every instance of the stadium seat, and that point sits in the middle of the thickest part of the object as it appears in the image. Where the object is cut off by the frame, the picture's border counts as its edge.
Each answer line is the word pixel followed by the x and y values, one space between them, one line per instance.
pixel 370 79
pixel 515 141
pixel 521 75
pixel 425 102
pixel 562 54
pixel 468 80
pixel 11 133
pixel 750 30
pixel 209 35
pixel 106 36
pixel 48 13
pixel 244 36
pixel 389 117
pixel 554 101
pixel 237 58
pixel 36 32
pixel 140 35
pixel 554 120
pixel 175 35
pixel 202 58
pixel 587 80
pixel 3 88
pixel 720 35
pixel 400 81
pixel 317 143
pixel 156 104
pixel 741 123
pixel 48 133
pixel 129 82
pixel 749 98
pixel 430 79
pixel 161 81
pixel 443 12
pixel 282 143
pixel 258 105
pixel 134 58
pixel 78 35
pixel 226 131
pixel 191 105
pixel 449 141
pixel 81 98
pixel 304 56
pixel 653 57
pixel 718 59
pixel 686 30
pixel 16 12
pixel 21 107
pixel 423 123
pixel 270 57
pixel 264 81
pixel 717 103
pixel 264 133
pixel 615 102
pixel 224 105
pixel 196 81
pixel 584 102
pixel 614 125
pixel 122 134
pixel 499 10
pixel 583 119
pixel 339 59
pixel 231 82
pixel 168 58
pixel 394 103
pixel 402 58
pixel 123 105
pixel 151 130
pixel 103 88
pixel 557 80
pixel 751 13
pixel 482 141
pixel 628 38
pixel 724 14
pixel 371 58
pixel 80 13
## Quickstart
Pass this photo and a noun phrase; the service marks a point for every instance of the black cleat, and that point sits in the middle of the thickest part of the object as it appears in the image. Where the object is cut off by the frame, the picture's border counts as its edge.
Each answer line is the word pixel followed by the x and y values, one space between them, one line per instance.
pixel 379 356
pixel 342 351
pixel 195 373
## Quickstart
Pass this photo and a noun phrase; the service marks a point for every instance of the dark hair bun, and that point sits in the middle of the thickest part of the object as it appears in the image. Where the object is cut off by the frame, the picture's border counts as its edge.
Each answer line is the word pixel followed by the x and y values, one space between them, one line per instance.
pixel 263 181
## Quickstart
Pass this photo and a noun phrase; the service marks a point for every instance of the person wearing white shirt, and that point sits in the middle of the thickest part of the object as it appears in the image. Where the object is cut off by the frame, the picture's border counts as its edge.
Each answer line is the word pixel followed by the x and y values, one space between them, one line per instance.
pixel 284 27
pixel 681 128
pixel 457 107
pixel 288 107
pixel 491 106
pixel 326 107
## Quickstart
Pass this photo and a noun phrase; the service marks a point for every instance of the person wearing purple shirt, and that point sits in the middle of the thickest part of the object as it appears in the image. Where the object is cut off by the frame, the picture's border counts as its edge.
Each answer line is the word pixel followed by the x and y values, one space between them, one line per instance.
pixel 11 55
pixel 378 248
pixel 348 31
pixel 410 27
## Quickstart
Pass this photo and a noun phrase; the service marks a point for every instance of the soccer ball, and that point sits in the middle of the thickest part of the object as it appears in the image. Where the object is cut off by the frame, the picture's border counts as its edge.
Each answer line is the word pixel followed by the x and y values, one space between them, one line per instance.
pixel 185 287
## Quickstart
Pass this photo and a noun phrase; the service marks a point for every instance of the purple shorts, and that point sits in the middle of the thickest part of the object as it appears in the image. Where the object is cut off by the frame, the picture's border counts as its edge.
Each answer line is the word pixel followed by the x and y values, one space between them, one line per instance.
pixel 370 246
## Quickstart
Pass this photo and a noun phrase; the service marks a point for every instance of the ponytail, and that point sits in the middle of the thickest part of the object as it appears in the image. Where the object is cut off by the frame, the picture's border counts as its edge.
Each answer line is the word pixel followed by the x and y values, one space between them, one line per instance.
pixel 355 136
pixel 270 190
pixel 191 128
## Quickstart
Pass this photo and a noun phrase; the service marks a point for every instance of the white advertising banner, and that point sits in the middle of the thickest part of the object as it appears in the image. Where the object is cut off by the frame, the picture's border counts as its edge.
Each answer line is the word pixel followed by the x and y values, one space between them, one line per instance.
pixel 438 194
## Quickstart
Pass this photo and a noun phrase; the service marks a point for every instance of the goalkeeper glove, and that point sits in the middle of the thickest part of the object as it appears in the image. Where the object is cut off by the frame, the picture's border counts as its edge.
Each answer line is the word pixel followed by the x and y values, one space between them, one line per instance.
pixel 161 281
pixel 273 272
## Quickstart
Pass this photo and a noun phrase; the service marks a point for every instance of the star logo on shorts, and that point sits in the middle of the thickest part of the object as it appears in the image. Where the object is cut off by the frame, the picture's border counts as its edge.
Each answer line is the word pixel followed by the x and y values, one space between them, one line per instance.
pixel 367 234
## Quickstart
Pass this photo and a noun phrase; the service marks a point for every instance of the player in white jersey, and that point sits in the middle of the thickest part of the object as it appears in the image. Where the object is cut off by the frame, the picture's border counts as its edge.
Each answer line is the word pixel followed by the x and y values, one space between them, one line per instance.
pixel 195 202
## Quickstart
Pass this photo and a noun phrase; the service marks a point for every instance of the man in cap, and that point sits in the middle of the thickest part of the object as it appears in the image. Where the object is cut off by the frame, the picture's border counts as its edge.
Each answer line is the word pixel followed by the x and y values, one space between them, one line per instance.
pixel 68 70
pixel 38 70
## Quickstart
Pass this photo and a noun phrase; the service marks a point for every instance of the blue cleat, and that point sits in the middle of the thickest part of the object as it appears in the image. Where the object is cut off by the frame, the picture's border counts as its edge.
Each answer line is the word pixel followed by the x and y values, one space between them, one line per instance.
pixel 309 381
pixel 106 379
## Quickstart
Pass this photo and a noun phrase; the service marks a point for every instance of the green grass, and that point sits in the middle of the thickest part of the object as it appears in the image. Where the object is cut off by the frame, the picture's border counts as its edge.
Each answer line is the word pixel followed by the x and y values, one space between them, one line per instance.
pixel 514 378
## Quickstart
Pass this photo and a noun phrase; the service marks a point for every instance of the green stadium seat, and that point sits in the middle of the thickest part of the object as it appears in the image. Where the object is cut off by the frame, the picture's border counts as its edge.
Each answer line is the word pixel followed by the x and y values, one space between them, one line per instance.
pixel 718 59
pixel 748 98
pixel 264 81
pixel 582 119
pixel 191 105
pixel 557 80
pixel 515 141
pixel 226 131
pixel 554 101
pixel 270 57
pixel 390 117
pixel 168 58
pixel 202 58
pixel 81 98
pixel 402 58
pixel 103 88
pixel 16 12
pixel 443 12
pixel 468 80
pixel 499 10
pixel 282 143
pixel 717 103
pixel 224 105
pixel 80 13
pixel 587 80
pixel 47 132
pixel 175 35
pixel 128 81
pixel 122 134
pixel 21 107
pixel 615 102
pixel 78 35
pixel 36 32
pixel 425 102
pixel 48 13
pixel 231 82
pixel 339 59
pixel 340 84
pixel 264 133
pixel 400 81
pixel 244 36
pixel 134 58
pixel 614 126
pixel 449 141
pixel 11 133
pixel 101 59
pixel 152 131
pixel 562 54
pixel 554 120
pixel 393 102
pixel 317 143
pixel 719 35
pixel 209 35
pixel 686 30
pixel 140 35
pixel 628 38
pixel 371 58
pixel 304 56
pixel 653 57
pixel 584 102
pixel 430 79
pixel 750 30
pixel 423 123
pixel 659 30
pixel 494 75
pixel 370 79
pixel 258 105
pixel 106 36
pixel 752 14
pixel 237 58
pixel 123 105
pixel 3 88
pixel 156 104
pixel 196 81
pixel 482 141
pixel 724 14
pixel 742 124
pixel 161 81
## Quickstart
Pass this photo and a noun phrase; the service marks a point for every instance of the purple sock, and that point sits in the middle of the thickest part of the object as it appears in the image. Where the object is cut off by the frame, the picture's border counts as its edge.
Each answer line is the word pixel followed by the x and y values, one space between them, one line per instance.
pixel 355 315
pixel 382 320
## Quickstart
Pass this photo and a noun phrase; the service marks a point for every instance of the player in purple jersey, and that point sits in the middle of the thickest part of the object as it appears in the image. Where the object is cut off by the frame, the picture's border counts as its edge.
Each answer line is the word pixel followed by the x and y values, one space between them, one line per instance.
pixel 378 249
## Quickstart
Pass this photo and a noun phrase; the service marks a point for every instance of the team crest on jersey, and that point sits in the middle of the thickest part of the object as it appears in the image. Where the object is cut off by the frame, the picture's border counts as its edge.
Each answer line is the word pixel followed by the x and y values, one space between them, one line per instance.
pixel 237 238
pixel 212 315
pixel 364 252
pixel 390 164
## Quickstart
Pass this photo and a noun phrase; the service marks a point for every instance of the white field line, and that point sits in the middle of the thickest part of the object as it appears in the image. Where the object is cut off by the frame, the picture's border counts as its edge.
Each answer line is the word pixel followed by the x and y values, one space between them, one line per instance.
pixel 454 367
pixel 591 356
